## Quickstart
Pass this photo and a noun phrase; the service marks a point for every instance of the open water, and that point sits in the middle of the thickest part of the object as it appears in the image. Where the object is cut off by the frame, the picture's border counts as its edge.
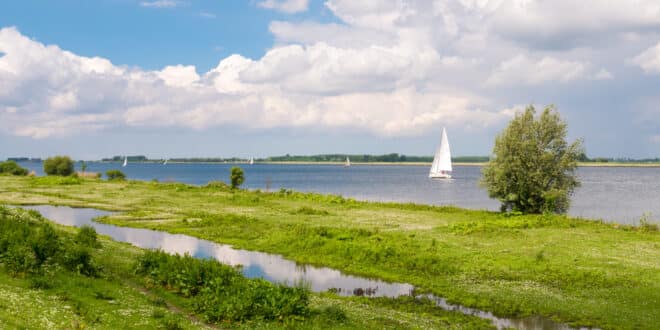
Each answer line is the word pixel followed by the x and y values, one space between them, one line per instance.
pixel 614 194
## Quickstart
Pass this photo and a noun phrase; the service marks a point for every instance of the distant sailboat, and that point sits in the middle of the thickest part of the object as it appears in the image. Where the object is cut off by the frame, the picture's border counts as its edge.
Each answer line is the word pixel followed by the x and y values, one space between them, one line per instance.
pixel 251 161
pixel 125 161
pixel 441 168
pixel 348 162
pixel 165 162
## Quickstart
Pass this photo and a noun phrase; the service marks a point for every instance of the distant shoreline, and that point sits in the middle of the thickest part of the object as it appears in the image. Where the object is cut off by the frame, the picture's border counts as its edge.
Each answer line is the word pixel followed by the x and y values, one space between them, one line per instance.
pixel 580 164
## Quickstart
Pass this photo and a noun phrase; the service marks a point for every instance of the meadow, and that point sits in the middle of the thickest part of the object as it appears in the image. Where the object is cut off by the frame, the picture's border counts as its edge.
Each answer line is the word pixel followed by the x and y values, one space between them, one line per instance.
pixel 577 271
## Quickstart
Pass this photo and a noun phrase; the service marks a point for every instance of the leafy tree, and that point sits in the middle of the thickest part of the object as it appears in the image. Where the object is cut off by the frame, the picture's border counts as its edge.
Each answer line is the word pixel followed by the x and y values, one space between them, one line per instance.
pixel 12 168
pixel 237 177
pixel 115 175
pixel 533 167
pixel 58 165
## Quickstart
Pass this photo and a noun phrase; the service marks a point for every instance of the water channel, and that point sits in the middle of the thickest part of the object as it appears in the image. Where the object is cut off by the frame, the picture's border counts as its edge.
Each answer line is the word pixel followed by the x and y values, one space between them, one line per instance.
pixel 271 267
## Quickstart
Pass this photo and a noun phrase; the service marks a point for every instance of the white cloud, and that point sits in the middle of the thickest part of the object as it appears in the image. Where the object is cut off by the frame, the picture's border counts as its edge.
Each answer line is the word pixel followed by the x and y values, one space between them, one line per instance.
pixel 603 74
pixel 655 138
pixel 286 6
pixel 649 60
pixel 524 70
pixel 160 4
pixel 207 15
pixel 375 89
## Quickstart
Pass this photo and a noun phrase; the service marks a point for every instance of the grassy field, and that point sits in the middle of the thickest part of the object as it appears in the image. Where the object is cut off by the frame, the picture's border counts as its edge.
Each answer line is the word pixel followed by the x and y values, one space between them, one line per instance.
pixel 118 296
pixel 575 271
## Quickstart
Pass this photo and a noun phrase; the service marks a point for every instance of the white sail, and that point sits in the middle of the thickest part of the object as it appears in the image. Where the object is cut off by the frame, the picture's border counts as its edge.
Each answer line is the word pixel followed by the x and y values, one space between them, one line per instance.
pixel 251 161
pixel 441 167
pixel 348 162
pixel 165 162
pixel 125 161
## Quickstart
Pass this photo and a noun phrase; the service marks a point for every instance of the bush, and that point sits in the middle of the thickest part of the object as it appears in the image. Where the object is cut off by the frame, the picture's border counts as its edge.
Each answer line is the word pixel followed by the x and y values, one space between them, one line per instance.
pixel 533 167
pixel 115 175
pixel 220 292
pixel 78 259
pixel 236 177
pixel 11 168
pixel 87 236
pixel 58 165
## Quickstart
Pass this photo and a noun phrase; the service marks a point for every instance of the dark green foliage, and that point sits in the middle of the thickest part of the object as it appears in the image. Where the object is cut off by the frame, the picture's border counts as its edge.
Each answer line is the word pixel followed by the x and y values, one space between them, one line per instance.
pixel 58 165
pixel 237 177
pixel 115 175
pixel 533 168
pixel 87 236
pixel 220 292
pixel 79 260
pixel 11 168
pixel 28 243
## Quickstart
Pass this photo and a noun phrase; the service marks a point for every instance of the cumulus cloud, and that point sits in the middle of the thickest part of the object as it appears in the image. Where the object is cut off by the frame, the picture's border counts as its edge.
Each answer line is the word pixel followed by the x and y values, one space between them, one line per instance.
pixel 160 4
pixel 385 67
pixel 649 60
pixel 524 70
pixel 50 91
pixel 286 6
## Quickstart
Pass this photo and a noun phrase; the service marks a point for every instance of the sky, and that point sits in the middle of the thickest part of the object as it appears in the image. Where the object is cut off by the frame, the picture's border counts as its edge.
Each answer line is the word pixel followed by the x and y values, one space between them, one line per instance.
pixel 258 78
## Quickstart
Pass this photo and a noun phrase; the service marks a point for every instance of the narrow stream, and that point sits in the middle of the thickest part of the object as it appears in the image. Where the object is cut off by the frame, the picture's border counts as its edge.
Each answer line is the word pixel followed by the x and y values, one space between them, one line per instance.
pixel 271 267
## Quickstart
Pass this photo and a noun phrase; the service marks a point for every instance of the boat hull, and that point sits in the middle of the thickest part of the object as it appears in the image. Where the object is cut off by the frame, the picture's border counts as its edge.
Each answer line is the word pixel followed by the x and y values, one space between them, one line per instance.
pixel 440 176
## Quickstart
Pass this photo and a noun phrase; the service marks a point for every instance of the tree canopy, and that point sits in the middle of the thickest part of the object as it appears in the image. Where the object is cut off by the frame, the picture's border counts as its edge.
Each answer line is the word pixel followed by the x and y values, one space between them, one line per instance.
pixel 532 169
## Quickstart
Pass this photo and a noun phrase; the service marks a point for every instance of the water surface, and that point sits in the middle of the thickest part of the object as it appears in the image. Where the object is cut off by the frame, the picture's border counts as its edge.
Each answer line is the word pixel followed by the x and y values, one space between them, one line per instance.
pixel 617 194
pixel 271 267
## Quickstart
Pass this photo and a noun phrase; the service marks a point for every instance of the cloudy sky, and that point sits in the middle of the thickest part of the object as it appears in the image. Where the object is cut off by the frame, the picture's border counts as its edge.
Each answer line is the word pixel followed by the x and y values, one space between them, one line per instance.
pixel 169 78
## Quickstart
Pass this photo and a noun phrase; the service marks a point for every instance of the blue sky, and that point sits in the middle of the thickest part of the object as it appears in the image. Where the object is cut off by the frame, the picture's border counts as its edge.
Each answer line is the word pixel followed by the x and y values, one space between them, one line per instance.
pixel 171 78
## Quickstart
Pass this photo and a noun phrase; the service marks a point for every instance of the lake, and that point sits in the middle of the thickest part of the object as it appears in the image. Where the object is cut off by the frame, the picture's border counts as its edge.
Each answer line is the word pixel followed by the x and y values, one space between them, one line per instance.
pixel 614 194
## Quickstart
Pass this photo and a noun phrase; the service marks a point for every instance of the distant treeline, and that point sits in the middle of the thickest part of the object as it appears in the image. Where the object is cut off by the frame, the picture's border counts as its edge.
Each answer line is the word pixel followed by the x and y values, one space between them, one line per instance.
pixel 387 158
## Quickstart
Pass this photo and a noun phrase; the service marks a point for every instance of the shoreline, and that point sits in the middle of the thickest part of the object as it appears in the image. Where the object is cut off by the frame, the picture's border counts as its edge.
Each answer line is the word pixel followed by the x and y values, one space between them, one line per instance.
pixel 580 164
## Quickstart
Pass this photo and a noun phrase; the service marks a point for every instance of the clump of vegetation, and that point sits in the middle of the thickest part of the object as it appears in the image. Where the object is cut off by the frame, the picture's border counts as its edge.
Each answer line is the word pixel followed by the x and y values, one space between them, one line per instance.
pixel 217 185
pixel 87 236
pixel 12 168
pixel 219 292
pixel 58 165
pixel 28 243
pixel 115 175
pixel 533 168
pixel 237 177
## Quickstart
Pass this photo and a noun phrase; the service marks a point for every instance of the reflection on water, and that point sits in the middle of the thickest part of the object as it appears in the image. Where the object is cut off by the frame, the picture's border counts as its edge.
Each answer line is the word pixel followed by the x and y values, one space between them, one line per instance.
pixel 271 267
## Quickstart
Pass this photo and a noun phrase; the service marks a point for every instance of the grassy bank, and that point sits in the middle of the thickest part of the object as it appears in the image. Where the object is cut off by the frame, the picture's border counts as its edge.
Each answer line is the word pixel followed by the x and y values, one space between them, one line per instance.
pixel 581 272
pixel 117 286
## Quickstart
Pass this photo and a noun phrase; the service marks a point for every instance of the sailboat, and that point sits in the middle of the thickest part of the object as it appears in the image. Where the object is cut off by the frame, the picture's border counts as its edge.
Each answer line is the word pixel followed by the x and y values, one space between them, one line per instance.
pixel 441 168
pixel 125 161
pixel 165 162
pixel 348 162
pixel 251 161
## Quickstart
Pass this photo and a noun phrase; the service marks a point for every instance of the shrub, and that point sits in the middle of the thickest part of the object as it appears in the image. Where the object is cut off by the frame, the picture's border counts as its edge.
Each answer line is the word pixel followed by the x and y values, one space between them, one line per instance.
pixel 58 165
pixel 533 167
pixel 87 236
pixel 236 177
pixel 11 168
pixel 220 292
pixel 78 259
pixel 115 175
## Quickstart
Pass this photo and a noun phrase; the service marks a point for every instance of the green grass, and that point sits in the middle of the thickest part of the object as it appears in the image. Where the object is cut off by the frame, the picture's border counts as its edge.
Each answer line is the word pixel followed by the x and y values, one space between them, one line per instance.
pixel 136 289
pixel 580 272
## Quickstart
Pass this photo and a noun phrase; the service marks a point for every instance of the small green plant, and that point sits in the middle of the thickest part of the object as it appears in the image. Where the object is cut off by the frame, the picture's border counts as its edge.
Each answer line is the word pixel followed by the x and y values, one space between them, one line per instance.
pixel 237 177
pixel 87 236
pixel 83 166
pixel 58 165
pixel 115 175
pixel 12 168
